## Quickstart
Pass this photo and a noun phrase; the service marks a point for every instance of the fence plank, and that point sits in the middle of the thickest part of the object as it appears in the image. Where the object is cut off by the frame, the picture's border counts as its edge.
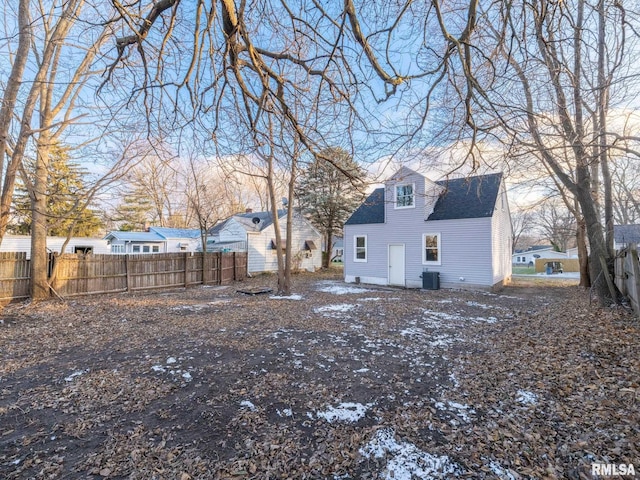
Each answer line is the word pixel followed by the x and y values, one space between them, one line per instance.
pixel 93 274
pixel 14 275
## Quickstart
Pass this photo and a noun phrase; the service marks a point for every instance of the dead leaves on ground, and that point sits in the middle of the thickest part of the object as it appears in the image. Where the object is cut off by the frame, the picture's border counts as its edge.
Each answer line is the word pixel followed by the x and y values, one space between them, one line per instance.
pixel 528 384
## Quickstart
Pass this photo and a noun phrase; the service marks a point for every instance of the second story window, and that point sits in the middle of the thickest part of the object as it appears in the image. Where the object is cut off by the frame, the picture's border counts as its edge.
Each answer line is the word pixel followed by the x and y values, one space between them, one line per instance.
pixel 404 196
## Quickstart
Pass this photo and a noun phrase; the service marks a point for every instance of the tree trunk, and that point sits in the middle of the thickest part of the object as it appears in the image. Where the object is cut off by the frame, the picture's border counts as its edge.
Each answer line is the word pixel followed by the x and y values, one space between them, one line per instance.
pixel 10 95
pixel 282 284
pixel 583 253
pixel 326 259
pixel 39 257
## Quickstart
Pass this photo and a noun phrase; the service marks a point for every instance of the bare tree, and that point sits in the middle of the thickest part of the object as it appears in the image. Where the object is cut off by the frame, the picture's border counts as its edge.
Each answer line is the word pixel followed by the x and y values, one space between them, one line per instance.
pixel 551 92
pixel 523 223
pixel 312 70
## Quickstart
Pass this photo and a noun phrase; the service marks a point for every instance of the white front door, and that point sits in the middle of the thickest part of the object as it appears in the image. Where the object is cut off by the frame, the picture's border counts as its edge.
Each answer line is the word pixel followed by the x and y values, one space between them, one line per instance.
pixel 396 265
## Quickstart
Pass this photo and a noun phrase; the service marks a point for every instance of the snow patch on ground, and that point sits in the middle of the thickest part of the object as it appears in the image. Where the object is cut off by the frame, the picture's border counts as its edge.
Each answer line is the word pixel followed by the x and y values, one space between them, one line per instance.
pixel 248 405
pixel 75 374
pixel 459 409
pixel 348 412
pixel 483 306
pixel 341 289
pixel 173 369
pixel 285 412
pixel 340 308
pixel 405 460
pixel 454 318
pixel 500 472
pixel 526 398
pixel 295 296
pixel 370 299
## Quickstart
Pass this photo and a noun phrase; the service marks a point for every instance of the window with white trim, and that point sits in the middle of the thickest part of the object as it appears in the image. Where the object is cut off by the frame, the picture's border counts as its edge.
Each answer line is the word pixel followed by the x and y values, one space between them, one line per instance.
pixel 117 248
pixel 360 248
pixel 405 196
pixel 431 250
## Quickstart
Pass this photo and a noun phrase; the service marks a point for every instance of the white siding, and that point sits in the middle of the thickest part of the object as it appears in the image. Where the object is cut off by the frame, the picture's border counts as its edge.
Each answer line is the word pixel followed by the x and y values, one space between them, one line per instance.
pixel 22 243
pixel 232 232
pixel 502 239
pixel 175 244
pixel 465 252
pixel 262 258
pixel 467 245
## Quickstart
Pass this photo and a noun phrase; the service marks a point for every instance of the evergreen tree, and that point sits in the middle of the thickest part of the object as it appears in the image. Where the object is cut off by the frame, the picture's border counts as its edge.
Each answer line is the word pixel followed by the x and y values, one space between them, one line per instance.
pixel 329 190
pixel 67 209
pixel 135 212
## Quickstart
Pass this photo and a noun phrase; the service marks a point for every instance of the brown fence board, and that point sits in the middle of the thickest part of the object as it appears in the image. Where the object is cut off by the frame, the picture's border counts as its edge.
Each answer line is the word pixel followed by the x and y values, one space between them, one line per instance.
pixel 627 276
pixel 93 274
pixel 14 275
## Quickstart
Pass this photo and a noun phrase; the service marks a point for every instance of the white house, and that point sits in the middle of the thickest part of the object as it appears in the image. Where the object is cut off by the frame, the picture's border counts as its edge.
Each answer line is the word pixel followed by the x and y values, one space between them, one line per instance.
pixel 22 243
pixel 460 228
pixel 156 240
pixel 625 235
pixel 529 257
pixel 254 233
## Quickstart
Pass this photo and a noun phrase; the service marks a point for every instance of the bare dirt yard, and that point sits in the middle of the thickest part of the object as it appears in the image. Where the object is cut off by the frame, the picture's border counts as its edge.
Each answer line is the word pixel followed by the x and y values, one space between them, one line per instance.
pixel 336 382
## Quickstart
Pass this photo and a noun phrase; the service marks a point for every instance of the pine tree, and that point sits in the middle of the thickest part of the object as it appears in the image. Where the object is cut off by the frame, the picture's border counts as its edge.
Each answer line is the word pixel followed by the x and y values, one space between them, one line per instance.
pixel 135 212
pixel 329 190
pixel 66 200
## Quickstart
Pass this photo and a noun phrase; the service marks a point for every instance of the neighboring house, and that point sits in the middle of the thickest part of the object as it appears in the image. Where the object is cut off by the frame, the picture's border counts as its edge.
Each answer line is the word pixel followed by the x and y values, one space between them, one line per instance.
pixel 22 243
pixel 460 228
pixel 255 232
pixel 337 250
pixel 156 240
pixel 624 235
pixel 529 257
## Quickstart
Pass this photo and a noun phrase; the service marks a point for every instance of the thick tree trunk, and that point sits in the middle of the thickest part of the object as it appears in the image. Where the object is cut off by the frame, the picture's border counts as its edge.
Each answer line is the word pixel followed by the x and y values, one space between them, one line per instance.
pixel 326 259
pixel 599 259
pixel 39 257
pixel 583 254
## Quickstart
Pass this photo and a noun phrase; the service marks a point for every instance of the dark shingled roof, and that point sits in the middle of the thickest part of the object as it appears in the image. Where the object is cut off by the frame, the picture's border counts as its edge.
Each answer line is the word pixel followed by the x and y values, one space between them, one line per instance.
pixel 371 211
pixel 472 197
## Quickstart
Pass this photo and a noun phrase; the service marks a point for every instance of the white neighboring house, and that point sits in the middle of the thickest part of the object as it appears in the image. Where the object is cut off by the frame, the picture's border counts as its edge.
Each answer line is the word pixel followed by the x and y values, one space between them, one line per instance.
pixel 530 256
pixel 625 235
pixel 460 228
pixel 254 233
pixel 22 243
pixel 156 240
pixel 337 249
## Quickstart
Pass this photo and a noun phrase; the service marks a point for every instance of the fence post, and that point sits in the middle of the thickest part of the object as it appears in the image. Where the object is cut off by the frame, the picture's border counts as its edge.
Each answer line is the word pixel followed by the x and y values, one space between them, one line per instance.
pixel 186 269
pixel 234 267
pixel 127 269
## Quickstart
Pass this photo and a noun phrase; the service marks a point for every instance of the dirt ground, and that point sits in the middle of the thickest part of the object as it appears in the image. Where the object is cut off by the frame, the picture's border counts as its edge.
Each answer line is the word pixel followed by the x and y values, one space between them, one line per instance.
pixel 337 382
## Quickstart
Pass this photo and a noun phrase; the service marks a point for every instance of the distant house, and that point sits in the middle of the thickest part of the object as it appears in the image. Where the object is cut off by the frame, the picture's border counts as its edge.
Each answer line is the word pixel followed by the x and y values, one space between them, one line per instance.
pixel 254 233
pixel 529 256
pixel 624 235
pixel 83 245
pixel 337 249
pixel 460 228
pixel 156 240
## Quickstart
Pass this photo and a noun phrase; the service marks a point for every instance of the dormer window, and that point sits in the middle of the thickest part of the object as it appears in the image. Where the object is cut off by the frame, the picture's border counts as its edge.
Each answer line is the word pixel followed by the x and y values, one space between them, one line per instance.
pixel 405 196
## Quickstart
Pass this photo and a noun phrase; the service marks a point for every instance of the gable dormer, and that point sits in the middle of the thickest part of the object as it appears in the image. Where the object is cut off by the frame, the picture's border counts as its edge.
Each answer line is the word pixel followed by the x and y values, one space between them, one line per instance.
pixel 410 191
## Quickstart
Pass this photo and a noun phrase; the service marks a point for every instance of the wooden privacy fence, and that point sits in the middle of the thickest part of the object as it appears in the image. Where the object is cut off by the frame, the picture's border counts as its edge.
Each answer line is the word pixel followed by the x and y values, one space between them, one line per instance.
pixel 14 275
pixel 628 275
pixel 94 274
